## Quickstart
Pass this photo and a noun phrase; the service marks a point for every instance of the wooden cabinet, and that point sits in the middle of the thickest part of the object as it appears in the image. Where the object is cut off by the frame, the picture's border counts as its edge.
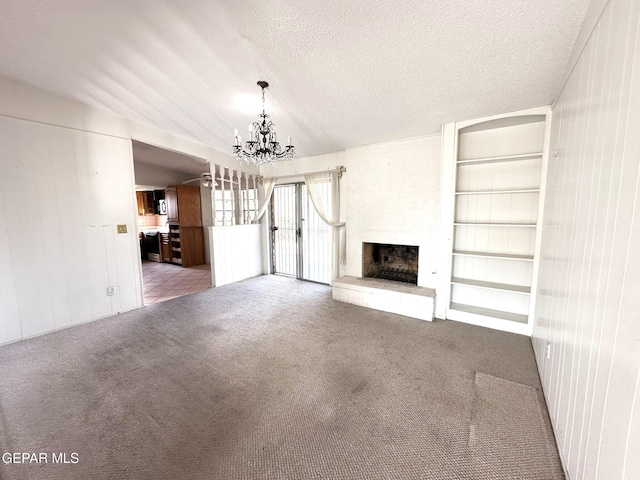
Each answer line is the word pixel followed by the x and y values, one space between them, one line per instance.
pixel 183 205
pixel 165 247
pixel 146 203
pixel 175 244
pixel 186 237
pixel 171 199
pixel 186 245
pixel 498 172
pixel 140 201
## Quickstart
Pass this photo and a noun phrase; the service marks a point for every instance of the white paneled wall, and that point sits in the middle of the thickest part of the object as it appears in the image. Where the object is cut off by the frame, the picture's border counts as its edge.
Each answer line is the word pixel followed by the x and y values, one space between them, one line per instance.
pixel 236 253
pixel 588 309
pixel 62 193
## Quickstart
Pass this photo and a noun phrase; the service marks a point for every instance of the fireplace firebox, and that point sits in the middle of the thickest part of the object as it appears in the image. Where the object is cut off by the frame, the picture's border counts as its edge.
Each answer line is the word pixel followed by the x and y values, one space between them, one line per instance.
pixel 390 262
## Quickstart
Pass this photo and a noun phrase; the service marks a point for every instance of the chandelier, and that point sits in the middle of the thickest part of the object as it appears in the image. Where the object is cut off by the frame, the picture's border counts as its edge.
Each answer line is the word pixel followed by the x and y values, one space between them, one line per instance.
pixel 262 148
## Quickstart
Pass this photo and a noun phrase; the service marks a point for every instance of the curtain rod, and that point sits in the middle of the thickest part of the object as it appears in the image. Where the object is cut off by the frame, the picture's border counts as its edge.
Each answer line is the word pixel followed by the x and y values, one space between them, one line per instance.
pixel 339 169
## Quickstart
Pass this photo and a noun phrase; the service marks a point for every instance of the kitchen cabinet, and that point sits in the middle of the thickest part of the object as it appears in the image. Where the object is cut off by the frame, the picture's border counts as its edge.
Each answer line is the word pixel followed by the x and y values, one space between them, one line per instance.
pixel 186 237
pixel 171 199
pixel 146 203
pixel 186 245
pixel 140 201
pixel 165 247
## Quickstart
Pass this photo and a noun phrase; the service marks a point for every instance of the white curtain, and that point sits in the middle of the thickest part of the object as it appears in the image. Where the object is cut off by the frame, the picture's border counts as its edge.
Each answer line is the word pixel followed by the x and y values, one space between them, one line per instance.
pixel 267 184
pixel 328 209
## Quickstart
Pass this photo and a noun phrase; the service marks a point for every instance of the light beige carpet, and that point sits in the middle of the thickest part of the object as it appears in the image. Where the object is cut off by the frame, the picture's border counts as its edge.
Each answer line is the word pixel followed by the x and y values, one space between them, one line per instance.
pixel 270 378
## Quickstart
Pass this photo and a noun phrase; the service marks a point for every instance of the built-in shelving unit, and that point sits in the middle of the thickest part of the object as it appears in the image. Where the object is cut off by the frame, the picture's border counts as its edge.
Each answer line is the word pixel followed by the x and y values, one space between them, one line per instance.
pixel 497 195
pixel 174 242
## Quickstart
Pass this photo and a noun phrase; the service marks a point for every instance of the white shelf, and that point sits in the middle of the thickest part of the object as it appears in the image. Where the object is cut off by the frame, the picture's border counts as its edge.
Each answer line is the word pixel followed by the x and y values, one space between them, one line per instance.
pixel 499 192
pixel 506 256
pixel 497 189
pixel 473 224
pixel 487 312
pixel 505 158
pixel 491 285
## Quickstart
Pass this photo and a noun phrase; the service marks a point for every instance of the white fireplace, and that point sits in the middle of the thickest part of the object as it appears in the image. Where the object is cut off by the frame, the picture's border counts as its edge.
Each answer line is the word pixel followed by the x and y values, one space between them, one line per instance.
pixel 388 282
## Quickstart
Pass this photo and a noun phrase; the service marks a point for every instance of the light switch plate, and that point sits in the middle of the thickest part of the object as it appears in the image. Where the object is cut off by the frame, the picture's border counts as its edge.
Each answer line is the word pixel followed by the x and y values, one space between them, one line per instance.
pixel 122 229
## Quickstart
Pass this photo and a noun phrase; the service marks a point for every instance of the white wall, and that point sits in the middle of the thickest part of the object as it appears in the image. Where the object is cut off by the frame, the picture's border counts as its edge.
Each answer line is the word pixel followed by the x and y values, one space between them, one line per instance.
pixel 393 196
pixel 390 194
pixel 589 301
pixel 19 100
pixel 154 176
pixel 236 253
pixel 66 181
pixel 62 193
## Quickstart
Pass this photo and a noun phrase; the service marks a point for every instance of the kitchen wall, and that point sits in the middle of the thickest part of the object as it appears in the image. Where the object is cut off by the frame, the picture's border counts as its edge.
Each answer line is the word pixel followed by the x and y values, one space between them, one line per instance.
pixel 66 181
pixel 588 304
pixel 150 222
pixel 390 194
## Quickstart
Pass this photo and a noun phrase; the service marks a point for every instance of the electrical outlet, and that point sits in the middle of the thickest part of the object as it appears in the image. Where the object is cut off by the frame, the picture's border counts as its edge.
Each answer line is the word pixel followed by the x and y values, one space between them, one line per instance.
pixel 122 229
pixel 548 351
pixel 111 291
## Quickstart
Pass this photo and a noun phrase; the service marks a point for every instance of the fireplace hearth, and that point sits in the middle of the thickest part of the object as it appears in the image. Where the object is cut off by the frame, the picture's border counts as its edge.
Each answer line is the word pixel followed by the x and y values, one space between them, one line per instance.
pixel 398 263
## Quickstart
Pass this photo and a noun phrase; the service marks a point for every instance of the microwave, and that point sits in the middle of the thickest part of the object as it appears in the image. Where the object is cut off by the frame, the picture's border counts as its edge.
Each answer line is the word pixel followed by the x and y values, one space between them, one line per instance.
pixel 162 207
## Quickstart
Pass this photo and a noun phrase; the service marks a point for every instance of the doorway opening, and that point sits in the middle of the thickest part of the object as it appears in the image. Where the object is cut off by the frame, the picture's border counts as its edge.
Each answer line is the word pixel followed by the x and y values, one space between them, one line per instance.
pixel 301 243
pixel 174 212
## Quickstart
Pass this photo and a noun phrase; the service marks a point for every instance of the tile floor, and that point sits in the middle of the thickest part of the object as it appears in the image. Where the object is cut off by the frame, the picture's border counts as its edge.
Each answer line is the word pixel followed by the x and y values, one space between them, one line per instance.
pixel 164 281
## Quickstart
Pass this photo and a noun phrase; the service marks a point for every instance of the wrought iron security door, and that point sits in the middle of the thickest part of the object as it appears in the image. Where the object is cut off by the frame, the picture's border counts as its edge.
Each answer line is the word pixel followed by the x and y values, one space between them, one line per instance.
pixel 300 240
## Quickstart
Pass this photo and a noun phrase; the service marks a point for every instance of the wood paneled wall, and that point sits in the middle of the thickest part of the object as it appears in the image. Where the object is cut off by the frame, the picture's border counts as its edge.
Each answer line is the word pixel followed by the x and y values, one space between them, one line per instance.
pixel 62 194
pixel 588 309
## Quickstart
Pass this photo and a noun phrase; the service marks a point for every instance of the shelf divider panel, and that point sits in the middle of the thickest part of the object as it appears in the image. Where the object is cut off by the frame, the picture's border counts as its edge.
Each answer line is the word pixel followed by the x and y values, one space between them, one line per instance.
pixel 487 312
pixel 507 256
pixel 491 285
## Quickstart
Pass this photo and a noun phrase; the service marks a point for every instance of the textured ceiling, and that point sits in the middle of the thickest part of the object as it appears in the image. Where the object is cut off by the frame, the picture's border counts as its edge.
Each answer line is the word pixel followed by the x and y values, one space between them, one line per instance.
pixel 342 73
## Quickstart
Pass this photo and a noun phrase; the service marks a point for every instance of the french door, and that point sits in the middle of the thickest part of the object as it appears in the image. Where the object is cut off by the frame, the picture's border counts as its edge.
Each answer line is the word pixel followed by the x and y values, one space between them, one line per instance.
pixel 300 240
